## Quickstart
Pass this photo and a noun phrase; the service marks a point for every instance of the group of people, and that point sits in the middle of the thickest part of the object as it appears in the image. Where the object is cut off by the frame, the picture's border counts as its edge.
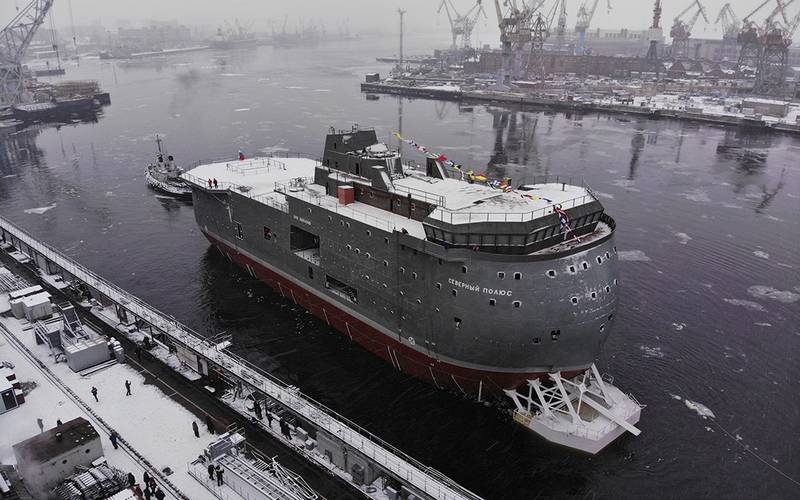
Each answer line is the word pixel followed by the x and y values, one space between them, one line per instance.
pixel 151 489
pixel 213 182
pixel 215 474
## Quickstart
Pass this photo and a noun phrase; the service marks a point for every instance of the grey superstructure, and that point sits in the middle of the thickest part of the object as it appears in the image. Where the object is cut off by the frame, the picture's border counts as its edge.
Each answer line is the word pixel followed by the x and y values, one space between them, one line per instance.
pixel 454 281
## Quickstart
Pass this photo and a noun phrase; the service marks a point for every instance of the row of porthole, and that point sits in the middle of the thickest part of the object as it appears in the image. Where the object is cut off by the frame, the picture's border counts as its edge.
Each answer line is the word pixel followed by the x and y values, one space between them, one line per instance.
pixel 574 300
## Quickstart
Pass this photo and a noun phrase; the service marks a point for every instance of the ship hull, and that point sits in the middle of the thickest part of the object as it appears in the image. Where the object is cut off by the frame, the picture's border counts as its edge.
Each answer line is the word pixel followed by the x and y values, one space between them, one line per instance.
pixel 478 383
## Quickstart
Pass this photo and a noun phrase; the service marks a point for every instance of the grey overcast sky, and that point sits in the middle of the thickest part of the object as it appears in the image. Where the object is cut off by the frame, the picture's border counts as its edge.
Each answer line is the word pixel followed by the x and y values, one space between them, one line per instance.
pixel 375 15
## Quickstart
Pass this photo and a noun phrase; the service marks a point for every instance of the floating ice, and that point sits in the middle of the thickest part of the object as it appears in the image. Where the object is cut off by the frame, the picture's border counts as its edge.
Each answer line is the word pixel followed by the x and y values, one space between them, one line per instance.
pixel 651 352
pixel 700 408
pixel 322 90
pixel 231 74
pixel 764 324
pixel 604 195
pixel 761 254
pixel 697 195
pixel 295 87
pixel 239 110
pixel 40 210
pixel 679 326
pixel 767 292
pixel 749 304
pixel 633 256
pixel 683 238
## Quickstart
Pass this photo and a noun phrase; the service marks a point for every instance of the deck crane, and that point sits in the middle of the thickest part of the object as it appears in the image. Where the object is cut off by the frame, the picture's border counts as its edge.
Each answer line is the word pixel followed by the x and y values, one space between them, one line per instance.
pixel 681 30
pixel 462 25
pixel 583 20
pixel 14 41
pixel 730 30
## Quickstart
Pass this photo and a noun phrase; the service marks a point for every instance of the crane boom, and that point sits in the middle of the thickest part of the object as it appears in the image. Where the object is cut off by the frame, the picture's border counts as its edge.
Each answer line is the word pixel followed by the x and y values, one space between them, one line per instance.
pixel 754 11
pixel 17 35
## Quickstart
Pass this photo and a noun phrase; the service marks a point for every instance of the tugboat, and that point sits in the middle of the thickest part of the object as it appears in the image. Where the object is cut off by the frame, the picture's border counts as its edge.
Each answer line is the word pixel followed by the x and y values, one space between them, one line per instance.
pixel 165 176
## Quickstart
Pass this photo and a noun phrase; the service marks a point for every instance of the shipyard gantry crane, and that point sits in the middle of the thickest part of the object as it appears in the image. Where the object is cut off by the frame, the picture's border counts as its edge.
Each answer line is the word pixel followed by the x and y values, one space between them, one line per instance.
pixel 681 30
pixel 583 20
pixel 749 42
pixel 656 35
pixel 14 41
pixel 730 31
pixel 462 25
pixel 515 33
pixel 774 41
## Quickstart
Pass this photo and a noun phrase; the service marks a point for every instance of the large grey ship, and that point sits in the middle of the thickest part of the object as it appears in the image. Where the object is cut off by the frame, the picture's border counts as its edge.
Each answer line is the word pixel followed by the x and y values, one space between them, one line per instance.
pixel 470 287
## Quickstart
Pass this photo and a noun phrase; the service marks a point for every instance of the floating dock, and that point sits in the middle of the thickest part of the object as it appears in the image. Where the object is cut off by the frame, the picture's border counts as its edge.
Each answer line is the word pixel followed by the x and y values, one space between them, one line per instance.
pixel 373 467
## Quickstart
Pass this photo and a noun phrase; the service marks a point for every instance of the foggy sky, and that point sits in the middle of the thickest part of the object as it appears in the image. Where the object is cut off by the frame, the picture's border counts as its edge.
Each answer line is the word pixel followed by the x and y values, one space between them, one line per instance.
pixel 372 15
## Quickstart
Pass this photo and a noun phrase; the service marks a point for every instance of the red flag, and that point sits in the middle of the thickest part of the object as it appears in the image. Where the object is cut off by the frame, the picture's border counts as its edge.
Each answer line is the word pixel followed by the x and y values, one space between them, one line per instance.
pixel 442 158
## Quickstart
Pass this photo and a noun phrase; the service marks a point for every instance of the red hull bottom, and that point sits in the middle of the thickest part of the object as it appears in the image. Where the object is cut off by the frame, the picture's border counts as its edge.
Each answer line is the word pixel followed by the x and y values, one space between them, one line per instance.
pixel 458 379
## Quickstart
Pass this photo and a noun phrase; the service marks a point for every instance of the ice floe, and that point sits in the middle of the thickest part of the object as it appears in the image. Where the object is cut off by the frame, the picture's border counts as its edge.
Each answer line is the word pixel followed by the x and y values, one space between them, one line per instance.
pixel 651 352
pixel 633 256
pixel 700 408
pixel 748 304
pixel 761 254
pixel 683 238
pixel 239 110
pixel 697 195
pixel 40 210
pixel 767 292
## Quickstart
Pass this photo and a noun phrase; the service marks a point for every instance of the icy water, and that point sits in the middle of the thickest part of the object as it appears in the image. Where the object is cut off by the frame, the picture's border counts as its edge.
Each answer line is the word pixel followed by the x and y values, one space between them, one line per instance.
pixel 708 231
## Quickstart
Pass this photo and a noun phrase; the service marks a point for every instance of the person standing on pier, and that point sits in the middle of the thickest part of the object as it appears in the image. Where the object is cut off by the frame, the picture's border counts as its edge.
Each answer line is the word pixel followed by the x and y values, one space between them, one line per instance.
pixel 128 387
pixel 257 409
pixel 159 494
pixel 195 429
pixel 219 472
pixel 146 478
pixel 94 393
pixel 40 423
pixel 211 471
pixel 269 419
pixel 113 438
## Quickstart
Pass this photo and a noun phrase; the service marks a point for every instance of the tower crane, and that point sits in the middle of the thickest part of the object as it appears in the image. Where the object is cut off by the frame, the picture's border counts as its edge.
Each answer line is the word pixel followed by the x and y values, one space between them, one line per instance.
pixel 462 25
pixel 730 30
pixel 515 33
pixel 681 30
pixel 14 41
pixel 583 20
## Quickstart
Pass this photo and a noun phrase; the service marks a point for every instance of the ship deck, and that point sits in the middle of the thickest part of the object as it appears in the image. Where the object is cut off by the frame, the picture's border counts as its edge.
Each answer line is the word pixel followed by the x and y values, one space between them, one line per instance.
pixel 253 177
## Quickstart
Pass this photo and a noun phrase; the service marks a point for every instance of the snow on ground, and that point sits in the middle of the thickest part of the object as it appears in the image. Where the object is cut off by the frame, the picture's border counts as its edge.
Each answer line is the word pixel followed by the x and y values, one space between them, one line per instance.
pixel 157 427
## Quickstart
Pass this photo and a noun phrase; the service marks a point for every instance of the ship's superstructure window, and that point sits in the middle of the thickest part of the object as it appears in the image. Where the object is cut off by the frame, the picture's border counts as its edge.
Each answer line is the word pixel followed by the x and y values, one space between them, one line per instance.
pixel 402 270
pixel 385 263
pixel 608 256
pixel 386 239
pixel 517 276
pixel 594 295
pixel 239 231
pixel 267 233
pixel 304 244
pixel 551 273
pixel 330 219
pixel 368 255
pixel 501 275
pixel 358 251
pixel 457 322
pixel 310 272
pixel 554 334
pixel 517 304
pixel 341 289
pixel 599 260
pixel 492 302
pixel 464 269
pixel 608 288
pixel 537 340
pixel 369 233
pixel 585 265
pixel 572 269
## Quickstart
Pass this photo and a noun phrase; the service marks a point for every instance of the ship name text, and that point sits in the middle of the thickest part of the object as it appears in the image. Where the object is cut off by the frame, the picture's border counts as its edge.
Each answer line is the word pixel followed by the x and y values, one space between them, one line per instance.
pixel 472 287
pixel 300 219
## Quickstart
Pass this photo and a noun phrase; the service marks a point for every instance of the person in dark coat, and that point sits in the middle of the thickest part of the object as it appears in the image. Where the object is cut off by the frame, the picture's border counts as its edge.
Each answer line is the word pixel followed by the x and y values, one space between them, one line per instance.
pixel 195 429
pixel 94 393
pixel 131 480
pixel 257 408
pixel 137 491
pixel 147 493
pixel 146 478
pixel 128 387
pixel 59 422
pixel 159 494
pixel 210 424
pixel 40 423
pixel 269 419
pixel 211 472
pixel 219 475
pixel 113 438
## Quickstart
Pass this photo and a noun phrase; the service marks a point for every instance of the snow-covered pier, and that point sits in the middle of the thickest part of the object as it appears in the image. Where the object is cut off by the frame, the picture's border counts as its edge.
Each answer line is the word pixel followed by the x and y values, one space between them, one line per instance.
pixel 323 437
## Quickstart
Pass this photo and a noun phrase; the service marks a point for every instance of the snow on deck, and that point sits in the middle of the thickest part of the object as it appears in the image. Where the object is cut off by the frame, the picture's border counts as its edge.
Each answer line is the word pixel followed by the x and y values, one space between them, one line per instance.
pixel 255 176
pixel 156 426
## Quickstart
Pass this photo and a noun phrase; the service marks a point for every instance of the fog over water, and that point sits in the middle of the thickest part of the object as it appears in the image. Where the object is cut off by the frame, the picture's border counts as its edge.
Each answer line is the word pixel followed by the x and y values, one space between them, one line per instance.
pixel 707 227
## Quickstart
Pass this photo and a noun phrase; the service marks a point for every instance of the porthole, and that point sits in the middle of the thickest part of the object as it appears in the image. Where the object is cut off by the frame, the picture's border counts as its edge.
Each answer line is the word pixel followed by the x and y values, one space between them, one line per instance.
pixel 608 288
pixel 309 210
pixel 517 304
pixel 599 260
pixel 457 322
pixel 501 275
pixel 574 300
pixel 608 255
pixel 517 276
pixel 438 286
pixel 454 292
pixel 610 317
pixel 572 269
pixel 616 281
pixel 358 250
pixel 585 265
pixel 402 292
pixel 402 270
pixel 492 302
pixel 594 295
pixel 341 223
pixel 384 286
pixel 349 247
pixel 369 233
pixel 537 340
pixel 330 219
pixel 386 240
pixel 366 277
pixel 602 328
pixel 551 273
pixel 464 269
pixel 368 255
pixel 419 301
pixel 615 248
pixel 414 275
pixel 385 263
